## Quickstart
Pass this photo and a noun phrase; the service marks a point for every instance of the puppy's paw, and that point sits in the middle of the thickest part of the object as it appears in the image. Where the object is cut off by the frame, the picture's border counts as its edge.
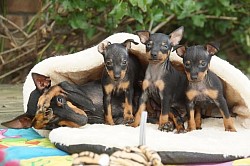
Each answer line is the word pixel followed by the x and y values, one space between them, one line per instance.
pixel 43 102
pixel 180 131
pixel 167 127
pixel 134 124
pixel 109 120
pixel 230 129
pixel 198 128
pixel 129 119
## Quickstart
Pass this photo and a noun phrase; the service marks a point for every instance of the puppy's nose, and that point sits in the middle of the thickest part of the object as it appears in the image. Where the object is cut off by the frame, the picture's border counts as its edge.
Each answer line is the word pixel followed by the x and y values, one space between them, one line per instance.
pixel 154 55
pixel 194 77
pixel 117 76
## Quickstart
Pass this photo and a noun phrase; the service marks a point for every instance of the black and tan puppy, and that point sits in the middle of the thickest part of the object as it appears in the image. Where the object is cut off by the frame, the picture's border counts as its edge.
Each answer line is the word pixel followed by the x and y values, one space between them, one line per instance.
pixel 65 108
pixel 120 76
pixel 162 83
pixel 204 88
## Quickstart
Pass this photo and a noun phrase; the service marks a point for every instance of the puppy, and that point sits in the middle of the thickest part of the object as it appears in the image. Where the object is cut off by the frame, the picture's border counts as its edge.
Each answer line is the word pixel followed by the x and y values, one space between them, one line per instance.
pixel 162 83
pixel 204 88
pixel 120 77
pixel 61 112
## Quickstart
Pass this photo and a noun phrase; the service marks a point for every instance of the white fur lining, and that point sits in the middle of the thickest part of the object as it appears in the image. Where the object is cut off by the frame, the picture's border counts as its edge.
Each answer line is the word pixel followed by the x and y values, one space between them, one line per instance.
pixel 212 139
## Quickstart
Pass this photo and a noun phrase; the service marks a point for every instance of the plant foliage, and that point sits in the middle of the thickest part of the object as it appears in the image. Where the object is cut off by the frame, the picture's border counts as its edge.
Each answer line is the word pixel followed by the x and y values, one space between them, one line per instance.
pixel 226 21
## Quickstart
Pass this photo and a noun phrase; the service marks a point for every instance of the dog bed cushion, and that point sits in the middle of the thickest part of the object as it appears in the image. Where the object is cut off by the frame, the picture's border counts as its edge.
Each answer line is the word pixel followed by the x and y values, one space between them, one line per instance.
pixel 211 144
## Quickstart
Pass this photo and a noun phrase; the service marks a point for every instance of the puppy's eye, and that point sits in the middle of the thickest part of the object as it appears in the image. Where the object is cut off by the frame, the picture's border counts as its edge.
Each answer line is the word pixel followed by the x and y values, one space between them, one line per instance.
pixel 164 45
pixel 187 64
pixel 203 63
pixel 124 62
pixel 149 45
pixel 109 63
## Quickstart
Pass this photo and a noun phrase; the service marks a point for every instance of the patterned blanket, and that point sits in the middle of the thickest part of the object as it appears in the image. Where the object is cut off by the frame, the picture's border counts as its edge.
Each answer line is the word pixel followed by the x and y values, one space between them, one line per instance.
pixel 26 148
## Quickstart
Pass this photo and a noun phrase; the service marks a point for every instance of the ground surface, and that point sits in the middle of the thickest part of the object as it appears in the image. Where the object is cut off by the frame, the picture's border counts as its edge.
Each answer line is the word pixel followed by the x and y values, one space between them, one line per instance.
pixel 11 102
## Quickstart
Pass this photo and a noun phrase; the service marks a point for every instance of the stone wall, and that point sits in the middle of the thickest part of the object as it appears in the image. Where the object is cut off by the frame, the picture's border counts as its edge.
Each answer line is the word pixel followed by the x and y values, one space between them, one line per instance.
pixel 21 11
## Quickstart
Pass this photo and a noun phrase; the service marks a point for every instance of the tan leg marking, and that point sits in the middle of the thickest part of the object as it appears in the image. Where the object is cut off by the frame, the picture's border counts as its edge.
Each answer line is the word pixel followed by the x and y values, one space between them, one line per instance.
pixel 163 119
pixel 191 121
pixel 40 120
pixel 128 111
pixel 179 126
pixel 136 123
pixel 198 118
pixel 45 99
pixel 108 118
pixel 228 123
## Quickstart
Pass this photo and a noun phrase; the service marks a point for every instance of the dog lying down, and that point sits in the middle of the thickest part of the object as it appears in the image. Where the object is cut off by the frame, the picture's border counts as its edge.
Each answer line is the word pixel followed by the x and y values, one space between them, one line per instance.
pixel 73 107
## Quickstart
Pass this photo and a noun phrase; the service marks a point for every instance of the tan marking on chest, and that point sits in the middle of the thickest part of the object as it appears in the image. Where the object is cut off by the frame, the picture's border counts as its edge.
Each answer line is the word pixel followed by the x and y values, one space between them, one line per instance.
pixel 191 94
pixel 145 84
pixel 159 84
pixel 213 94
pixel 109 88
pixel 123 85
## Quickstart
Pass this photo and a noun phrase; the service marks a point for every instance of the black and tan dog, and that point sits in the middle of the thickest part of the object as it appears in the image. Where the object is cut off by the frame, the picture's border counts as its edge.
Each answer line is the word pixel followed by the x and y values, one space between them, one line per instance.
pixel 120 76
pixel 65 108
pixel 204 88
pixel 162 83
pixel 65 104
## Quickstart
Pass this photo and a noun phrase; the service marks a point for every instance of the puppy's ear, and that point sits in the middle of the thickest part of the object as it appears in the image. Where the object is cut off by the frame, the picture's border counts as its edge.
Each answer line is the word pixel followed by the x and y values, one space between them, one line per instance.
pixel 143 35
pixel 127 43
pixel 180 50
pixel 103 46
pixel 176 36
pixel 42 82
pixel 20 122
pixel 212 47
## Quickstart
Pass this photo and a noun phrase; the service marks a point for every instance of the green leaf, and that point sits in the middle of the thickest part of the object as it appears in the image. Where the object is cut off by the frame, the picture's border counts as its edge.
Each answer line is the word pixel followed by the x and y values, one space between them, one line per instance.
pixel 225 2
pixel 157 15
pixel 119 11
pixel 67 5
pixel 133 2
pixel 142 4
pixel 77 23
pixel 198 20
pixel 90 32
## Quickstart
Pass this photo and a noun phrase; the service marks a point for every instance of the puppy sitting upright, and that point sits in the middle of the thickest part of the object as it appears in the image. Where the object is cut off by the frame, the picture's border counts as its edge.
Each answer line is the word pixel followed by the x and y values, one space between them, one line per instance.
pixel 204 88
pixel 121 74
pixel 162 83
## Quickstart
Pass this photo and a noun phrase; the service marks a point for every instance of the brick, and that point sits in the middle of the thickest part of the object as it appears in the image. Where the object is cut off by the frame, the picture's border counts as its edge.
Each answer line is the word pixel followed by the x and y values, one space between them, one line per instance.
pixel 26 6
pixel 17 19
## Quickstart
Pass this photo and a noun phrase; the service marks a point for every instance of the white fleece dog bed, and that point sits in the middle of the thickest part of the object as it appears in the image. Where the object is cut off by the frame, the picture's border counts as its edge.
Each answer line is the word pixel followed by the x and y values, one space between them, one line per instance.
pixel 211 144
